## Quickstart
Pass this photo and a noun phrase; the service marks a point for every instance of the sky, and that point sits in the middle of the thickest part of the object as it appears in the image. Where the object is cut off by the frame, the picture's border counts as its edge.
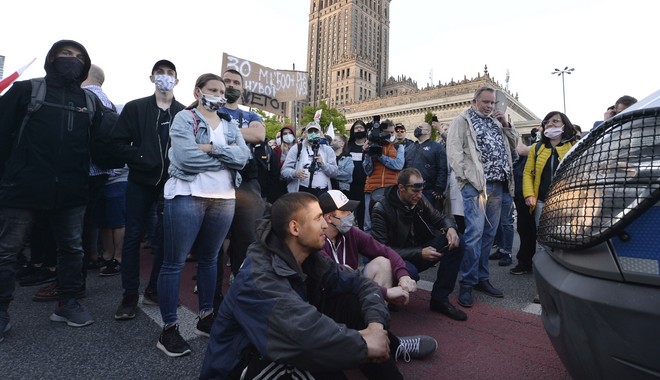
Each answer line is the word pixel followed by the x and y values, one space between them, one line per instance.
pixel 608 43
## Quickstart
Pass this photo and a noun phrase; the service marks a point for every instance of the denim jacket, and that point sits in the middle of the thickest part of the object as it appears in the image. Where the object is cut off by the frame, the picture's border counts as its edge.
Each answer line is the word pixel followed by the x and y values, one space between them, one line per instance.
pixel 187 160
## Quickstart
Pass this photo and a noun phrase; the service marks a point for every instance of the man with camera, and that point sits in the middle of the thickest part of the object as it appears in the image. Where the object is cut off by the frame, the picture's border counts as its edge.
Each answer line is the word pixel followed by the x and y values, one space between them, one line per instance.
pixel 383 161
pixel 311 164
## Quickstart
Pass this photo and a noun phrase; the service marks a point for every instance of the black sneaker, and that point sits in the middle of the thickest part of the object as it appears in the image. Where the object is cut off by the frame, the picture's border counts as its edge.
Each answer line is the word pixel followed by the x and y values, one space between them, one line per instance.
pixel 172 343
pixel 519 269
pixel 127 308
pixel 97 264
pixel 497 255
pixel 204 325
pixel 415 347
pixel 42 276
pixel 111 268
pixel 26 270
pixel 505 261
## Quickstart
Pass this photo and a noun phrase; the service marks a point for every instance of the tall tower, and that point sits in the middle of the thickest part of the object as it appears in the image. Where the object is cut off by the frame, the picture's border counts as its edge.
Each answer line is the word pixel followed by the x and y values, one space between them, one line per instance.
pixel 348 50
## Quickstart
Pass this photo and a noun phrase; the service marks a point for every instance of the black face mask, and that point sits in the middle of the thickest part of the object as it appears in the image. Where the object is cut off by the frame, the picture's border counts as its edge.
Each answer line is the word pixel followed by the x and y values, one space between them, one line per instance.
pixel 360 135
pixel 70 68
pixel 417 132
pixel 232 95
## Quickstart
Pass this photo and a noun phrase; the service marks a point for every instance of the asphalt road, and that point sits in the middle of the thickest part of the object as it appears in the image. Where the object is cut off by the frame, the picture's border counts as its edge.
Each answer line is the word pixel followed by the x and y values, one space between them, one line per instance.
pixel 36 348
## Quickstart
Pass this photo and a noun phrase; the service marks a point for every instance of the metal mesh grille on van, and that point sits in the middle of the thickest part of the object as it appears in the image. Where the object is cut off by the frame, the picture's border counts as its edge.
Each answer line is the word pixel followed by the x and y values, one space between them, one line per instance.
pixel 608 179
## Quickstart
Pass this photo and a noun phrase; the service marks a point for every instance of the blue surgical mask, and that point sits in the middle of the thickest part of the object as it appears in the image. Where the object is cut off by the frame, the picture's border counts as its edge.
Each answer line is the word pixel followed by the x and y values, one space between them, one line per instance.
pixel 288 139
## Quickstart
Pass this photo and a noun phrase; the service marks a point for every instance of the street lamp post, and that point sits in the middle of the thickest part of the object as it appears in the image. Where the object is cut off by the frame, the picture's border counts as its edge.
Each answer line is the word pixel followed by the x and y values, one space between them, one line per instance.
pixel 561 73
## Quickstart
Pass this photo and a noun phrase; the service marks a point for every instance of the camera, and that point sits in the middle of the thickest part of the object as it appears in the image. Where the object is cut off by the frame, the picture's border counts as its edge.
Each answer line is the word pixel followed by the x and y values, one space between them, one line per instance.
pixel 377 137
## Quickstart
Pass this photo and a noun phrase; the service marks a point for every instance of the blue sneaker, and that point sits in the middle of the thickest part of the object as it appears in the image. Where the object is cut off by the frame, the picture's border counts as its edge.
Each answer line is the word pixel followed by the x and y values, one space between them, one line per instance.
pixel 465 296
pixel 72 313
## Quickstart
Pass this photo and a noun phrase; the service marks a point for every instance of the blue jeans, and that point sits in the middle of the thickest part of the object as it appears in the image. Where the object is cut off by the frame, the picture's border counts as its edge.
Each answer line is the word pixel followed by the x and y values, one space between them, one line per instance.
pixel 504 238
pixel 140 199
pixel 481 222
pixel 448 266
pixel 192 221
pixel 66 224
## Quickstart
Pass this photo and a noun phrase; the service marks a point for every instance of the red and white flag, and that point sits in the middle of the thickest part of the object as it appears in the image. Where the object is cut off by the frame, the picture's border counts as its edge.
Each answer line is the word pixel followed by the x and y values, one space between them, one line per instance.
pixel 10 79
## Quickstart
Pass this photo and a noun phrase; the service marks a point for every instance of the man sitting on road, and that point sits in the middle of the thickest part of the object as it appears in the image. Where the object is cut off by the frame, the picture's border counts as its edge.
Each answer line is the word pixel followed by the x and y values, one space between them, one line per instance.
pixel 403 219
pixel 344 243
pixel 297 313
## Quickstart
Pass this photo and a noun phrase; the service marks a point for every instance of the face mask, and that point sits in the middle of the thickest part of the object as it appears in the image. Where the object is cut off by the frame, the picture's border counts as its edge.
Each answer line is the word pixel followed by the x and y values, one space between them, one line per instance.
pixel 288 139
pixel 278 141
pixel 418 132
pixel 392 138
pixel 553 133
pixel 164 83
pixel 232 95
pixel 335 145
pixel 213 103
pixel 70 68
pixel 345 224
pixel 360 135
pixel 313 136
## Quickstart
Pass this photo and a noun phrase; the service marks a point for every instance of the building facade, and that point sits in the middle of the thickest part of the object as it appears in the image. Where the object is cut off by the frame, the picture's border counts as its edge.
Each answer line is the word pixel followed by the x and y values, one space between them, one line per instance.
pixel 347 65
pixel 446 101
pixel 348 50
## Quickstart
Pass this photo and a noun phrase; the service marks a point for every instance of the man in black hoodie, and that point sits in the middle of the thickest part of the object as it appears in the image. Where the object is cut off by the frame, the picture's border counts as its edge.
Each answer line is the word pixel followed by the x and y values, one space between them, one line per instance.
pixel 141 139
pixel 44 167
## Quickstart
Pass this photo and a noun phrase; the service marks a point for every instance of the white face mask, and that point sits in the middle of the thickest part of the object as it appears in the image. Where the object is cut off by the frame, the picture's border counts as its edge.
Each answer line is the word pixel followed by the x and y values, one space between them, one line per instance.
pixel 164 83
pixel 288 139
pixel 278 141
pixel 553 133
pixel 392 138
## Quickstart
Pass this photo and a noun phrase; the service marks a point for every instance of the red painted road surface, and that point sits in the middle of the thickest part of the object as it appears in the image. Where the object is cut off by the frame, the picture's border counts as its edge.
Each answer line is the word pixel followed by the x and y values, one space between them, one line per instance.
pixel 494 343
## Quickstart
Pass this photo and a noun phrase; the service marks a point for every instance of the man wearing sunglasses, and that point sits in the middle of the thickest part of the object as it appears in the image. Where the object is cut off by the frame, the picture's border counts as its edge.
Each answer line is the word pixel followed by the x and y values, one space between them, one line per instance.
pixel 402 218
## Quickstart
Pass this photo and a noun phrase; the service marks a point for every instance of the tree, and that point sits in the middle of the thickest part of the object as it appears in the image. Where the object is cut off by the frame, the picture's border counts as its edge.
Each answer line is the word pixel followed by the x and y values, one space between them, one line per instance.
pixel 272 124
pixel 428 116
pixel 328 115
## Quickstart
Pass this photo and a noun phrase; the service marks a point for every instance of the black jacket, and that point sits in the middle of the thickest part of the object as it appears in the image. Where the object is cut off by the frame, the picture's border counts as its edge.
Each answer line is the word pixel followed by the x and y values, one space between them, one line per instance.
pixel 135 140
pixel 392 223
pixel 49 167
pixel 430 159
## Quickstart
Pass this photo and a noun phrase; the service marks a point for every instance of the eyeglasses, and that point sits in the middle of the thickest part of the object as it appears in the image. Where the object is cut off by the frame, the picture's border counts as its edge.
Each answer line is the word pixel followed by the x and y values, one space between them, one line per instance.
pixel 551 121
pixel 416 186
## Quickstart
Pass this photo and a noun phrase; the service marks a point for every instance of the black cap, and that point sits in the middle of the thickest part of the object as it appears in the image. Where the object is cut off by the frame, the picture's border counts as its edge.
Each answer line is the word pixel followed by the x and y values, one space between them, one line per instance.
pixel 336 200
pixel 163 62
pixel 399 126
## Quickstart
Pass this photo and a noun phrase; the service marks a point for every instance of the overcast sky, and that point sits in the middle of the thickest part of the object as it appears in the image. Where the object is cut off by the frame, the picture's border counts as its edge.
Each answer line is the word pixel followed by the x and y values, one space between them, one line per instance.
pixel 609 43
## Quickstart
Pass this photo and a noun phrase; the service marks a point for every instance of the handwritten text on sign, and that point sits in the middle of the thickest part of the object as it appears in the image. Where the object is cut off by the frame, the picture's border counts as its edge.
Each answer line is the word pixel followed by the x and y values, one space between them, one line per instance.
pixel 285 85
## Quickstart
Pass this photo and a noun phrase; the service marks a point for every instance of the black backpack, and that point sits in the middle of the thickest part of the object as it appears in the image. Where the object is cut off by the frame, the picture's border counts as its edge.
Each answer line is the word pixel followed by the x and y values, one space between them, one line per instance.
pixel 37 99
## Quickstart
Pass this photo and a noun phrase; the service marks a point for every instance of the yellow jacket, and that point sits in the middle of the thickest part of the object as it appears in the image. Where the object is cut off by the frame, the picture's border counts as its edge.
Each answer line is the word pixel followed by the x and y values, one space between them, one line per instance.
pixel 536 163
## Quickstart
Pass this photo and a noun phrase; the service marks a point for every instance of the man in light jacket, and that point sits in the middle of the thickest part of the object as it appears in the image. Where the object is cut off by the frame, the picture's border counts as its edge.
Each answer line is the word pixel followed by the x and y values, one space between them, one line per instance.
pixel 479 146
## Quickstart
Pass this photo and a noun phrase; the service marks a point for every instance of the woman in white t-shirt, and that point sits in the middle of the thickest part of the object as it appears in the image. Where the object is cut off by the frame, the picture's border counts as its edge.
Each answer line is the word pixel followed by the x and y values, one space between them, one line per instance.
pixel 206 152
